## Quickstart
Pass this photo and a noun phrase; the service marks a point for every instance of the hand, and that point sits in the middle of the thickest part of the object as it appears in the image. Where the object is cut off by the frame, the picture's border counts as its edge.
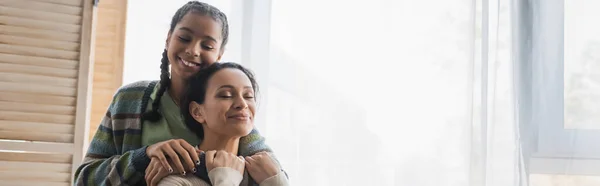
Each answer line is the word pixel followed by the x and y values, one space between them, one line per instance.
pixel 155 172
pixel 178 152
pixel 261 166
pixel 222 158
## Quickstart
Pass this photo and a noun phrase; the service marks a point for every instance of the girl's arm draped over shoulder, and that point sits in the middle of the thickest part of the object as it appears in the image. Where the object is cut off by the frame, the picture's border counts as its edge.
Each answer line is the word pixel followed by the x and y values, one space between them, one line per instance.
pixel 115 155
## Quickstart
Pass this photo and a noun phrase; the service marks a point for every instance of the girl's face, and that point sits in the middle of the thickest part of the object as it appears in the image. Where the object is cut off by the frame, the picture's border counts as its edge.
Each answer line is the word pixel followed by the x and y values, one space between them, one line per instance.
pixel 195 42
pixel 229 104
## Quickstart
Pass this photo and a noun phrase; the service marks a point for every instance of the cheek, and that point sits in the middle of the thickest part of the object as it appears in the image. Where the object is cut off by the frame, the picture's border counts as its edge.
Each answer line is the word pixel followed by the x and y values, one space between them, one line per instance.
pixel 252 107
pixel 218 110
pixel 209 57
pixel 172 49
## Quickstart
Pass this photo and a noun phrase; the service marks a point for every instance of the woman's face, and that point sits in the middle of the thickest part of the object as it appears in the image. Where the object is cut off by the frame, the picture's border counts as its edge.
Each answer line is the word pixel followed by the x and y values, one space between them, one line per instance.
pixel 229 104
pixel 195 42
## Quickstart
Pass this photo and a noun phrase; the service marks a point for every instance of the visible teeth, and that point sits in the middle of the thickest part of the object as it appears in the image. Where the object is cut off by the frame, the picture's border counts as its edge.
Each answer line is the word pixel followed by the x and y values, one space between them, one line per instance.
pixel 188 63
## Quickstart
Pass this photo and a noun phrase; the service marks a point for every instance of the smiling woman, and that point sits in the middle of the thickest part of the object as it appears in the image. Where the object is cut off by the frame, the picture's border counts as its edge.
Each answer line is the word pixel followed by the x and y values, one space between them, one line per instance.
pixel 219 106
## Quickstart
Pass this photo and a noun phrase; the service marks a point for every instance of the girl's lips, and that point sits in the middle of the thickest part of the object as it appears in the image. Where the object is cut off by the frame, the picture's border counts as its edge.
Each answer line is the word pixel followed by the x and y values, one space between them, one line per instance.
pixel 188 63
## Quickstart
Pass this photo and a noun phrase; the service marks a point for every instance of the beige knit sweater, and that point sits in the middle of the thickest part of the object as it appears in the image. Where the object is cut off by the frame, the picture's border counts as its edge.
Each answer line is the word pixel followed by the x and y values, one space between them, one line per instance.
pixel 222 176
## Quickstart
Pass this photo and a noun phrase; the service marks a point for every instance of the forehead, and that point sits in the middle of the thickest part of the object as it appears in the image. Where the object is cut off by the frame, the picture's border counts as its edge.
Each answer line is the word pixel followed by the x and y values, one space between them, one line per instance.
pixel 229 76
pixel 201 25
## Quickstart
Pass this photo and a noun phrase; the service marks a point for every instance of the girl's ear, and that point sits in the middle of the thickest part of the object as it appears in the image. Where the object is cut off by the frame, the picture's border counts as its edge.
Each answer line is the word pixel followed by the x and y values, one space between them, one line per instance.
pixel 197 112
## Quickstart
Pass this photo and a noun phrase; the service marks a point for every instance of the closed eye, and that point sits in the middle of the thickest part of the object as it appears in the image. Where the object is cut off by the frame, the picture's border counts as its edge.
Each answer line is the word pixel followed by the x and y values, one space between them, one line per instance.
pixel 184 39
pixel 207 47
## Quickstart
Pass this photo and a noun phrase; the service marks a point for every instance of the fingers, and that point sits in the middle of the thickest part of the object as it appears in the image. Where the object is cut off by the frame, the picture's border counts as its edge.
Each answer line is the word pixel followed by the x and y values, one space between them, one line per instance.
pixel 151 175
pixel 185 151
pixel 250 161
pixel 168 149
pixel 221 154
pixel 194 153
pixel 150 166
pixel 210 159
pixel 154 179
pixel 220 158
pixel 164 162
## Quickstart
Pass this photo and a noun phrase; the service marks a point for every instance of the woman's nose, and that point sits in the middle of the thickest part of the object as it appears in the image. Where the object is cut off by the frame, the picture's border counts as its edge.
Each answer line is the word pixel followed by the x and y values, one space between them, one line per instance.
pixel 240 104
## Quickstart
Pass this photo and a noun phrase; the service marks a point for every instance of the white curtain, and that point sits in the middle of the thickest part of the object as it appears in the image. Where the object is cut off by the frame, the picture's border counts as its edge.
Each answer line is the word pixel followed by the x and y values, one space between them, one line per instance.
pixel 390 92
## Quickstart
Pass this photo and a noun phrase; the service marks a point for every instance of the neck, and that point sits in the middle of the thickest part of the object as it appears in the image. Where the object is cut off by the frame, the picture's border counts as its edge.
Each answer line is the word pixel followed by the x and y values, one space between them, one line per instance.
pixel 176 89
pixel 214 141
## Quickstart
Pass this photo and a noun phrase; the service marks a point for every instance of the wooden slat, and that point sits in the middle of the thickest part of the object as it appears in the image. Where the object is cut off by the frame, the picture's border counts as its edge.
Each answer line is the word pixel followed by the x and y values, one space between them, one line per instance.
pixel 39 33
pixel 25 41
pixel 35 88
pixel 102 113
pixel 109 35
pixel 37 136
pixel 104 76
pixel 110 4
pixel 36 24
pixel 42 6
pixel 109 85
pixel 108 53
pixel 105 92
pixel 29 183
pixel 37 98
pixel 36 157
pixel 36 108
pixel 104 60
pixel 38 61
pixel 39 127
pixel 39 15
pixel 38 80
pixel 34 176
pixel 45 71
pixel 63 2
pixel 103 67
pixel 27 166
pixel 107 43
pixel 39 52
pixel 65 148
pixel 37 117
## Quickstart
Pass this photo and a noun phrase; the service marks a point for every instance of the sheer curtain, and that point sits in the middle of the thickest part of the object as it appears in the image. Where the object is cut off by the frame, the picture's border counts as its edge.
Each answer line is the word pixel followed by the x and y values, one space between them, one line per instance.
pixel 382 92
pixel 388 92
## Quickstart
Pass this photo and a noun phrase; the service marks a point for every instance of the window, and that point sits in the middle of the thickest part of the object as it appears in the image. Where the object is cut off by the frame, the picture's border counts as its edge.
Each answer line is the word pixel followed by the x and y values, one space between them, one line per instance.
pixel 582 64
pixel 565 84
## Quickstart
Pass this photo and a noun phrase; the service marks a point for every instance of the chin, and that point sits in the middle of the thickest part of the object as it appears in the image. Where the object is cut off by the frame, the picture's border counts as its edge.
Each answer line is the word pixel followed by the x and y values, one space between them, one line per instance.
pixel 244 131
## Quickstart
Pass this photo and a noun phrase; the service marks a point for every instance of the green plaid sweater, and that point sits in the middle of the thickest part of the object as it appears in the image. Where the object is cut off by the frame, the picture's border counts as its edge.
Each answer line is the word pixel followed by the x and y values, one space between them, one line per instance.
pixel 116 155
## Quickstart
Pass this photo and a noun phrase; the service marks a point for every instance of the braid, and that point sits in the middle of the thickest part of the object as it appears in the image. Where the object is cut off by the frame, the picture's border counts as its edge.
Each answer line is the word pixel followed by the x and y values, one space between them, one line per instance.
pixel 165 82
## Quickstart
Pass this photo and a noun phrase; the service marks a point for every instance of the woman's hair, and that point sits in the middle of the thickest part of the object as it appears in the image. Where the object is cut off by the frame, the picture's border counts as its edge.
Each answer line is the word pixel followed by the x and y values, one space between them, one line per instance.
pixel 196 91
pixel 193 7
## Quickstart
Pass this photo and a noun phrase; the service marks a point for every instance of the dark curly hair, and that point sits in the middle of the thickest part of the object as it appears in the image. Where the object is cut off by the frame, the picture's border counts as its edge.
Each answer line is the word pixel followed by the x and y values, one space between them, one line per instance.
pixel 196 91
pixel 194 7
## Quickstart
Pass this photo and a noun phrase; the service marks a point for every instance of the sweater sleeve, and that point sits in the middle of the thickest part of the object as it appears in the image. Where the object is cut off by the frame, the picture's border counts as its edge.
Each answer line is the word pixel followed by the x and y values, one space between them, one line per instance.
pixel 278 180
pixel 104 164
pixel 225 176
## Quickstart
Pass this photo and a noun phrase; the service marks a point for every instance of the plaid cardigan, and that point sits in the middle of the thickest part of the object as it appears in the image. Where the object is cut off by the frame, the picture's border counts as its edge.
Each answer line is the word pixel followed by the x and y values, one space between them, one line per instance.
pixel 116 155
